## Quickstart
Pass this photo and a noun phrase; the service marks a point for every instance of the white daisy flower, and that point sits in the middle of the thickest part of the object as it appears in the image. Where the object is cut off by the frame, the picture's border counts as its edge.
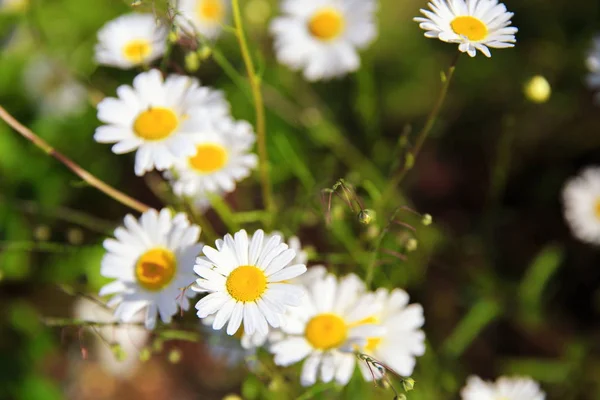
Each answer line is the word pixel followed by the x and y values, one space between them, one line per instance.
pixel 504 388
pixel 593 64
pixel 321 37
pixel 205 17
pixel 131 40
pixel 581 198
pixel 223 157
pixel 473 24
pixel 401 340
pixel 158 118
pixel 325 329
pixel 247 280
pixel 152 261
pixel 51 85
pixel 129 338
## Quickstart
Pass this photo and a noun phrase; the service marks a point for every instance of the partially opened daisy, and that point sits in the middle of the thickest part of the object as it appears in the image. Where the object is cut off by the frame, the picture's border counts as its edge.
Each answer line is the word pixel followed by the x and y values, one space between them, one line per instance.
pixel 401 340
pixel 505 388
pixel 131 40
pixel 247 281
pixel 152 262
pixel 158 118
pixel 581 198
pixel 223 157
pixel 473 24
pixel 593 64
pixel 326 329
pixel 321 37
pixel 205 17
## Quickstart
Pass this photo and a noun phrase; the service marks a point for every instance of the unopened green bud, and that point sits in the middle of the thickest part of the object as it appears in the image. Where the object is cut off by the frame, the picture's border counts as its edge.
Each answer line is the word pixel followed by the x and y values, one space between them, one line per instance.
pixel 204 52
pixel 366 216
pixel 409 162
pixel 537 89
pixel 411 244
pixel 118 352
pixel 192 62
pixel 173 37
pixel 136 3
pixel 408 384
pixel 427 219
pixel 232 397
pixel 175 356
pixel 157 345
pixel 145 354
pixel 400 397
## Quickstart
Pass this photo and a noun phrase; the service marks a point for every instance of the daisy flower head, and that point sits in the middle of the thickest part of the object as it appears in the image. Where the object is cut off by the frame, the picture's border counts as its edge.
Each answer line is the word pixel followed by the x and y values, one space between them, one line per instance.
pixel 593 64
pixel 581 198
pixel 325 329
pixel 131 40
pixel 205 17
pixel 401 339
pixel 152 262
pixel 223 156
pixel 473 24
pixel 247 280
pixel 321 37
pixel 157 117
pixel 505 388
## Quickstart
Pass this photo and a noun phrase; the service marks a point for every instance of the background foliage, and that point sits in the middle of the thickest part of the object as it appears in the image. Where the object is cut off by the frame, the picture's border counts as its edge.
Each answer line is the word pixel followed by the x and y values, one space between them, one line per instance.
pixel 505 288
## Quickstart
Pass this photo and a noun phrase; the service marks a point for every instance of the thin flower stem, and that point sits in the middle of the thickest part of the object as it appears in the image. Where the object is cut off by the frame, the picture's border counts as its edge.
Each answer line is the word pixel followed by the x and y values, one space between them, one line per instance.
pixel 423 134
pixel 375 254
pixel 255 84
pixel 76 169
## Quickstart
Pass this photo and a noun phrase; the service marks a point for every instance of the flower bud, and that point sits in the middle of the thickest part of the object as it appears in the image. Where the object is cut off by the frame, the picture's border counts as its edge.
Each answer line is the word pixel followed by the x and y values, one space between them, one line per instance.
pixel 145 354
pixel 427 219
pixel 192 61
pixel 537 89
pixel 173 37
pixel 411 244
pixel 118 352
pixel 175 356
pixel 366 216
pixel 408 384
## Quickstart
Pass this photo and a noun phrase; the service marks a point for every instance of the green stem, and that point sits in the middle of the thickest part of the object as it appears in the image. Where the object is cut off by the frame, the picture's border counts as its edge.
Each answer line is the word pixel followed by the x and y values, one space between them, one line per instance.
pixel 422 135
pixel 255 84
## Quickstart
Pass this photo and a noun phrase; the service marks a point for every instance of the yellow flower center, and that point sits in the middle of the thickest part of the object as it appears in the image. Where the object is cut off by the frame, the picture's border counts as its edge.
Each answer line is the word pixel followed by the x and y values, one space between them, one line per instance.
pixel 326 331
pixel 209 157
pixel 326 24
pixel 372 344
pixel 155 123
pixel 246 283
pixel 211 10
pixel 137 50
pixel 155 269
pixel 470 27
pixel 597 208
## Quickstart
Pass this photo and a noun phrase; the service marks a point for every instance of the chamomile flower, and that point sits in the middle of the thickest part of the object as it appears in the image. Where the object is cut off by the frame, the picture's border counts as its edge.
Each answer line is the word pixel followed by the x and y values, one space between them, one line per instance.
pixel 593 64
pixel 473 24
pixel 247 280
pixel 401 340
pixel 505 388
pixel 325 329
pixel 321 37
pixel 158 118
pixel 131 40
pixel 203 16
pixel 222 157
pixel 581 198
pixel 129 338
pixel 152 261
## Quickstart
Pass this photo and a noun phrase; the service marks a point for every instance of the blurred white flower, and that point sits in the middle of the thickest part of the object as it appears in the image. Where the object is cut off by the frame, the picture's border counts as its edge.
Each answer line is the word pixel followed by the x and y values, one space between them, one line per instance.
pixel 321 37
pixel 581 198
pixel 205 17
pixel 131 40
pixel 247 280
pixel 223 157
pixel 593 64
pixel 158 118
pixel 56 92
pixel 152 262
pixel 473 24
pixel 505 388
pixel 401 340
pixel 325 329
pixel 129 338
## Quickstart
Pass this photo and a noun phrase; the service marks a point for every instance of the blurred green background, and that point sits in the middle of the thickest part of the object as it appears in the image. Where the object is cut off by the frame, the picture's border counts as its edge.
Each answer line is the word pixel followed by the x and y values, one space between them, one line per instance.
pixel 505 288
